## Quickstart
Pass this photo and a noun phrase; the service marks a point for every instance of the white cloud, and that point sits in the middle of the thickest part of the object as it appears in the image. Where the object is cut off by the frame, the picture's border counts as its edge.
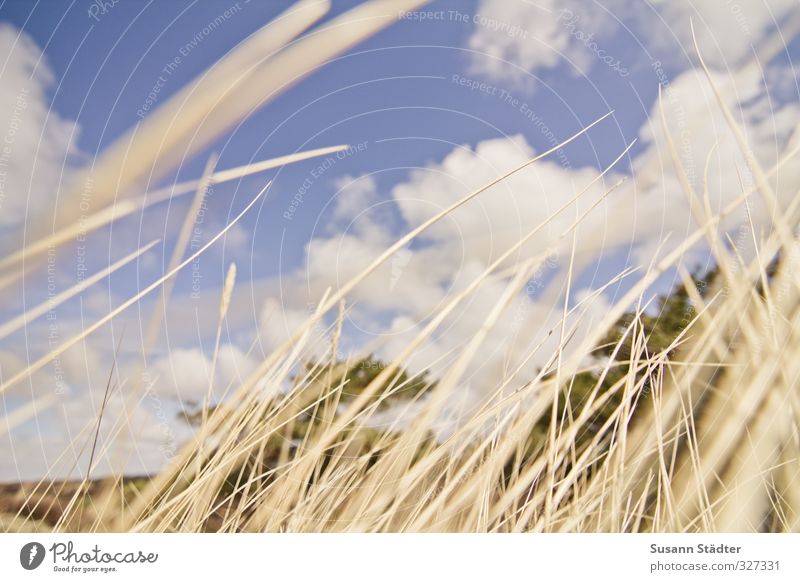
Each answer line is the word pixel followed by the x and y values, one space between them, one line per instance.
pixel 237 240
pixel 636 217
pixel 701 133
pixel 500 217
pixel 278 322
pixel 183 374
pixel 726 31
pixel 529 36
pixel 36 143
pixel 548 32
pixel 354 195
pixel 57 443
pixel 56 438
pixel 388 308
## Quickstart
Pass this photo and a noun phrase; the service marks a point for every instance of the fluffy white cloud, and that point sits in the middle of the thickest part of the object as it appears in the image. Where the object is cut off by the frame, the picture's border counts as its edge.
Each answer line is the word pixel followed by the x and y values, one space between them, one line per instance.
pixel 528 36
pixel 388 309
pixel 710 154
pixel 354 195
pixel 61 406
pixel 57 442
pixel 495 220
pixel 184 374
pixel 726 31
pixel 280 321
pixel 637 217
pixel 534 36
pixel 36 143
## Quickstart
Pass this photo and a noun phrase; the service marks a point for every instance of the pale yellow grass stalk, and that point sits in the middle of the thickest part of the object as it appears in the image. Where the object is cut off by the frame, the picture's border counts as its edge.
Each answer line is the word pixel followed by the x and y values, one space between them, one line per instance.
pixel 36 312
pixel 41 362
pixel 121 208
pixel 178 252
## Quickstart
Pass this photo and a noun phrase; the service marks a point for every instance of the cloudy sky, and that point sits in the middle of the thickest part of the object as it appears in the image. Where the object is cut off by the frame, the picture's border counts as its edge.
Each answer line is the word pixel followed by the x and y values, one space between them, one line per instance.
pixel 442 102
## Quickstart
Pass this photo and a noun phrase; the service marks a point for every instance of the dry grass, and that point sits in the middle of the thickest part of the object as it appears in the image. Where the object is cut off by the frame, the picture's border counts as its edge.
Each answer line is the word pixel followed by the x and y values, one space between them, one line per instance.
pixel 713 447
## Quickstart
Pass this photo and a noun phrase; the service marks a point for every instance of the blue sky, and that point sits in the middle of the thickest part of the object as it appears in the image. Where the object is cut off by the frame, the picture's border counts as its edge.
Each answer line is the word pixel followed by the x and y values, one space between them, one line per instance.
pixel 384 89
pixel 433 107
